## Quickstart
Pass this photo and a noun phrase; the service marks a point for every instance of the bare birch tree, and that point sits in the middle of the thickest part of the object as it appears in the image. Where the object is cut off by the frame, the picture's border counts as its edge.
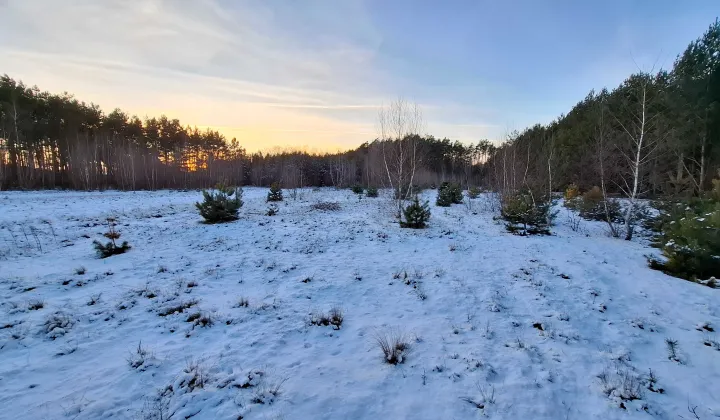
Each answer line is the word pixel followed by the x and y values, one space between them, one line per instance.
pixel 400 124
pixel 641 144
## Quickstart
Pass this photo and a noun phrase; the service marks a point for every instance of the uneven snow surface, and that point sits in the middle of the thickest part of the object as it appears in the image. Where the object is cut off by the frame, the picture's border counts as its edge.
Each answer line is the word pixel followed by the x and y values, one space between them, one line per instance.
pixel 567 326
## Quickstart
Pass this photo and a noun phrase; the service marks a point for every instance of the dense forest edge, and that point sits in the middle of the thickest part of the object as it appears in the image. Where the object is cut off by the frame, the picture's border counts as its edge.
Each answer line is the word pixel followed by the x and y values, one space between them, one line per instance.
pixel 58 141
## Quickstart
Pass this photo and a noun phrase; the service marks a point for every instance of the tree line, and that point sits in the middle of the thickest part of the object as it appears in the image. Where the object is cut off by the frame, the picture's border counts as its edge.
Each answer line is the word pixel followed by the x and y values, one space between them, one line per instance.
pixel 657 134
pixel 57 141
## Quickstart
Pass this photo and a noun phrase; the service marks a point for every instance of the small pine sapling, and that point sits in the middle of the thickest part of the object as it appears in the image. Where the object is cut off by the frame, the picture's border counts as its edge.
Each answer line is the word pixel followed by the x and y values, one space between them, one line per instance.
pixel 449 194
pixel 275 193
pixel 456 194
pixel 526 215
pixel 672 348
pixel 357 189
pixel 272 210
pixel 416 215
pixel 688 237
pixel 111 248
pixel 371 192
pixel 222 205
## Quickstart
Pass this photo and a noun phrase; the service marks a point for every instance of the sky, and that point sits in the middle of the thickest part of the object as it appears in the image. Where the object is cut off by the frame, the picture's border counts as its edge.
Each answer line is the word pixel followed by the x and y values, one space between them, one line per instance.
pixel 312 74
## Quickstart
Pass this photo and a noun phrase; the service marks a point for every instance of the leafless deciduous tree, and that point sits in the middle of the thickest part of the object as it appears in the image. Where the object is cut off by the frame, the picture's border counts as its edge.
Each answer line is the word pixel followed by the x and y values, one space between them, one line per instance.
pixel 639 143
pixel 400 124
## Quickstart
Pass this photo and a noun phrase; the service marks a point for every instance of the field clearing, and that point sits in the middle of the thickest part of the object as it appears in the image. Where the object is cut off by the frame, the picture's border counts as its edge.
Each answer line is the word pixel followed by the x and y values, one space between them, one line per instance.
pixel 215 321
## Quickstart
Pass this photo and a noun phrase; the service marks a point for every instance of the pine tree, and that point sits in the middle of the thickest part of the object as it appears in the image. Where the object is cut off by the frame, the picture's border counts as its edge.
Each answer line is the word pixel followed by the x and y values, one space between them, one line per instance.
pixel 456 193
pixel 473 192
pixel 443 197
pixel 371 192
pixel 689 240
pixel 416 214
pixel 449 194
pixel 222 205
pixel 526 215
pixel 111 247
pixel 272 210
pixel 275 193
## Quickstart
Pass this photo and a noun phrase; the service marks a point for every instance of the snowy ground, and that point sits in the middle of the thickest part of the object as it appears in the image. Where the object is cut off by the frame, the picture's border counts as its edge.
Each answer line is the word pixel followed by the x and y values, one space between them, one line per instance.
pixel 561 327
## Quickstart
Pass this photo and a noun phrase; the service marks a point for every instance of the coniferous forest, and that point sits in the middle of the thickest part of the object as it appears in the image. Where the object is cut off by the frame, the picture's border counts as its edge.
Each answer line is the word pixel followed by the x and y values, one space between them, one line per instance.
pixel 656 134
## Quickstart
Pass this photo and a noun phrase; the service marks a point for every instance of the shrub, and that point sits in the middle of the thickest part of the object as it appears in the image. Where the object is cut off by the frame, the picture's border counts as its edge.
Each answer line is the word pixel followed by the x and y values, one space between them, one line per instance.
pixel 198 319
pixel 473 192
pixel 622 383
pixel 242 302
pixel 177 308
pixel 393 346
pixel 357 189
pixel 94 299
pixel 526 215
pixel 690 239
pixel 571 192
pixel 449 194
pixel 56 325
pixel 335 318
pixel 111 248
pixel 222 205
pixel 194 376
pixel 139 358
pixel 35 305
pixel 594 206
pixel 415 214
pixel 371 192
pixel 272 210
pixel 326 206
pixel 275 193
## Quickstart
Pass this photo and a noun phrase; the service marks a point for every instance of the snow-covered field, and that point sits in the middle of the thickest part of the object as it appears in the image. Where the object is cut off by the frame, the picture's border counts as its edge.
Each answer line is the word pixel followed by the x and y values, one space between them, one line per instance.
pixel 568 326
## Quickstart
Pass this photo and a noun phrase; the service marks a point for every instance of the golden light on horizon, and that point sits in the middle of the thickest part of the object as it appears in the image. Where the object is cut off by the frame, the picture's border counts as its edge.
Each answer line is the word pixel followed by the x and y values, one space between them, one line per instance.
pixel 256 138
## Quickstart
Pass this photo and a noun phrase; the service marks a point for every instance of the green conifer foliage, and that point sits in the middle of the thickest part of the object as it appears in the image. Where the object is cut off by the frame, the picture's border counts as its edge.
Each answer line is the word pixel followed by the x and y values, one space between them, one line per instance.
pixel 275 193
pixel 221 205
pixel 416 215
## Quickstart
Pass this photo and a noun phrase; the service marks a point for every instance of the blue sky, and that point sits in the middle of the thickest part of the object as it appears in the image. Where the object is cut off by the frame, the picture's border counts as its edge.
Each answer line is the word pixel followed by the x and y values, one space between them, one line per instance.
pixel 312 73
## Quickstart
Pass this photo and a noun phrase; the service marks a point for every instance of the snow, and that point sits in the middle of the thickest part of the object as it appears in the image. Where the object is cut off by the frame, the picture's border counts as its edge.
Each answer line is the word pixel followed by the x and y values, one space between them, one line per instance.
pixel 559 327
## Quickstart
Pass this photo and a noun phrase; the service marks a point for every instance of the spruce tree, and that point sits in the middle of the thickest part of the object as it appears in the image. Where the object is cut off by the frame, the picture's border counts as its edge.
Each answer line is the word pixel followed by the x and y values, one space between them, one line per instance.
pixel 371 192
pixel 275 193
pixel 415 214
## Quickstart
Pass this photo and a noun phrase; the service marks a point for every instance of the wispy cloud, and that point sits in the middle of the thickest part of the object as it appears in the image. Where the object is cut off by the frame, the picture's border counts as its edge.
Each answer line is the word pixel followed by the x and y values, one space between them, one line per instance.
pixel 206 64
pixel 250 70
pixel 276 72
